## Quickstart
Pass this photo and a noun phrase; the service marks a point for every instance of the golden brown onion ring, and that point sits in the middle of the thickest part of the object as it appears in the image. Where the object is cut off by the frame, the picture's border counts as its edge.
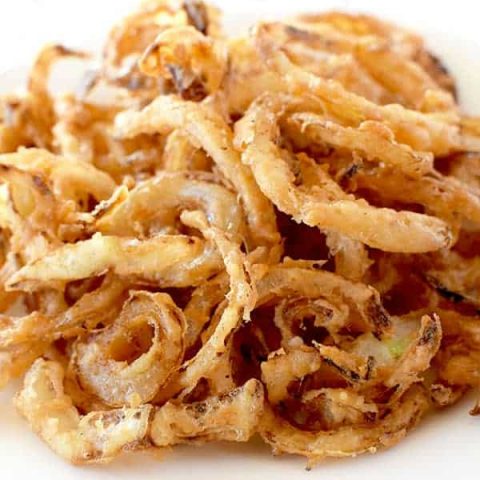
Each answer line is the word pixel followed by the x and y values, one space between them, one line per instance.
pixel 150 330
pixel 285 280
pixel 241 300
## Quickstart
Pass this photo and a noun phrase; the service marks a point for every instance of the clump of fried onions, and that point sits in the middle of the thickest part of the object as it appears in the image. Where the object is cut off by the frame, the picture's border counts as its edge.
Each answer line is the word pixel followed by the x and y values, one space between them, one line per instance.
pixel 327 207
pixel 274 234
pixel 207 128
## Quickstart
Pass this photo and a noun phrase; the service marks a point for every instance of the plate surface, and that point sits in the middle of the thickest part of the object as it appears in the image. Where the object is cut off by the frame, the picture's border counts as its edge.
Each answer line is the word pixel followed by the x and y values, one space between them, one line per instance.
pixel 446 444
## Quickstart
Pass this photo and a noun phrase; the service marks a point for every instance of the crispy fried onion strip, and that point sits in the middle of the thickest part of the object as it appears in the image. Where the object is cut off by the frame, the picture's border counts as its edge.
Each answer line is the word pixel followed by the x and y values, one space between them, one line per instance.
pixel 97 307
pixel 97 436
pixel 371 139
pixel 400 358
pixel 207 128
pixel 292 312
pixel 158 201
pixel 180 154
pixel 435 132
pixel 351 256
pixel 327 206
pixel 69 179
pixel 444 196
pixel 241 300
pixel 184 261
pixel 129 361
pixel 27 205
pixel 233 416
pixel 286 280
pixel 184 55
pixel 347 440
pixel 30 213
pixel 31 117
pixel 9 266
pixel 201 305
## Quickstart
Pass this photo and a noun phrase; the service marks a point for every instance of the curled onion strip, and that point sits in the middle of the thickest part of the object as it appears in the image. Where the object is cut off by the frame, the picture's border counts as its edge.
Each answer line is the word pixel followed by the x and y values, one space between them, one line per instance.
pixel 347 440
pixel 150 323
pixel 93 437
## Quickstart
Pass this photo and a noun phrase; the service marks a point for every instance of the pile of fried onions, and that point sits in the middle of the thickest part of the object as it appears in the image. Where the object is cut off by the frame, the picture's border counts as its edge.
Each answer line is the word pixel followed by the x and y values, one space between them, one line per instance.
pixel 213 238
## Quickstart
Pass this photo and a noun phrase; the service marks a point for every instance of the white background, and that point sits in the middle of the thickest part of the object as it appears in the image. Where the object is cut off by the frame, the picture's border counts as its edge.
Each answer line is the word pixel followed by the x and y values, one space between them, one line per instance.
pixel 445 446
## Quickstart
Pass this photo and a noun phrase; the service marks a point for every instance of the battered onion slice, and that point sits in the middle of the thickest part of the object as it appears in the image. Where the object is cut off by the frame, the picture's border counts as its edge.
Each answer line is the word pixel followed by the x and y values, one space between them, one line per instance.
pixel 128 362
pixel 9 266
pixel 444 196
pixel 418 356
pixel 453 276
pixel 401 358
pixel 94 308
pixel 188 58
pixel 348 440
pixel 351 256
pixel 293 311
pixel 16 359
pixel 68 179
pixel 97 436
pixel 402 42
pixel 325 206
pixel 207 128
pixel 28 205
pixel 132 35
pixel 233 416
pixel 373 140
pixel 284 280
pixel 185 261
pixel 156 203
pixel 241 300
pixel 30 213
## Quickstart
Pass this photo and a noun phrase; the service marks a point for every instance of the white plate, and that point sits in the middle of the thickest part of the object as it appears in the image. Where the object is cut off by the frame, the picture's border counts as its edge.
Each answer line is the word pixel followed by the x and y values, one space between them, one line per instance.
pixel 445 446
